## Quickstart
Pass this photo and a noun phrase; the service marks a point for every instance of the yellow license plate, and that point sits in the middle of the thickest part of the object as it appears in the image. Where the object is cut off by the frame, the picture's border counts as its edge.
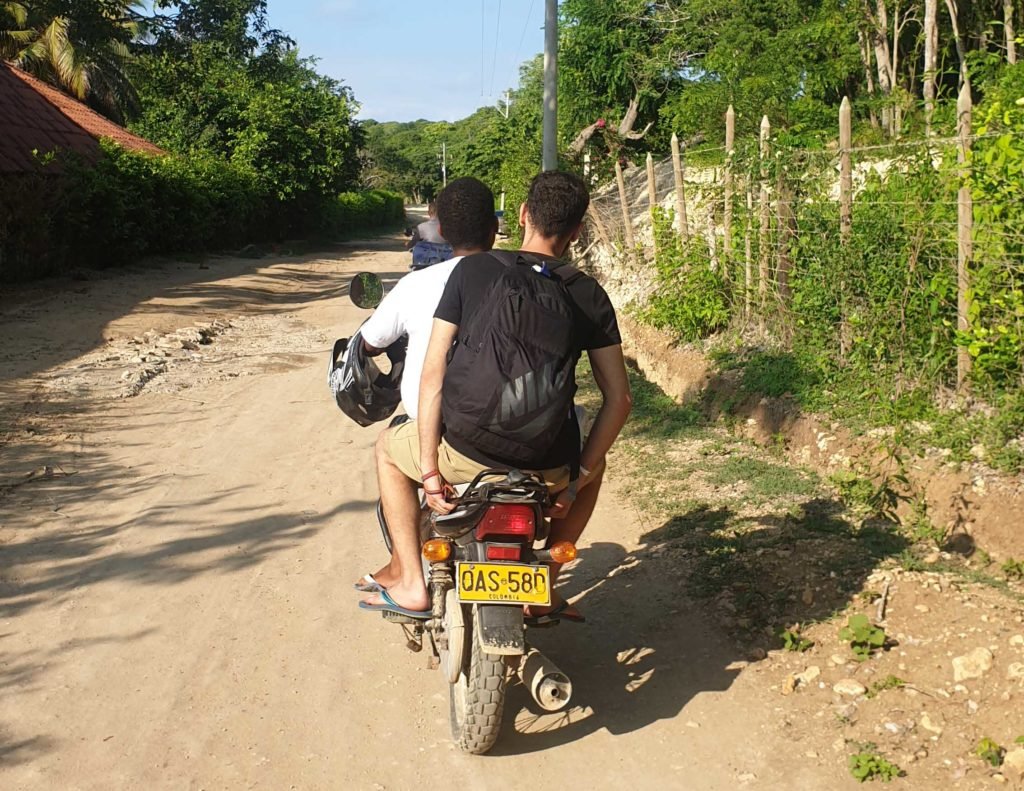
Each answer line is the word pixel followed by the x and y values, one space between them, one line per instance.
pixel 507 583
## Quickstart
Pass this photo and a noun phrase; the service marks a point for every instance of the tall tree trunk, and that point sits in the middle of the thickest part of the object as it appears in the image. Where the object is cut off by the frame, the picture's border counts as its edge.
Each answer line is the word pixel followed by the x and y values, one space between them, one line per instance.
pixel 958 39
pixel 883 58
pixel 1008 29
pixel 894 71
pixel 865 59
pixel 899 23
pixel 931 53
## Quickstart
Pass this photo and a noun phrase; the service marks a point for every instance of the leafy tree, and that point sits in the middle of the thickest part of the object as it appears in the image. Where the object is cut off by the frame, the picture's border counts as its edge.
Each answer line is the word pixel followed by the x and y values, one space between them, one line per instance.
pixel 215 78
pixel 617 60
pixel 297 134
pixel 402 157
pixel 791 59
pixel 81 46
pixel 476 147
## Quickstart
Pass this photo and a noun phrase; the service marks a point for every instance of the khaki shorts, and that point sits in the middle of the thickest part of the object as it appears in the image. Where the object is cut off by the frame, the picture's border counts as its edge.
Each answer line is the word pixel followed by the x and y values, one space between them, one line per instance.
pixel 402 446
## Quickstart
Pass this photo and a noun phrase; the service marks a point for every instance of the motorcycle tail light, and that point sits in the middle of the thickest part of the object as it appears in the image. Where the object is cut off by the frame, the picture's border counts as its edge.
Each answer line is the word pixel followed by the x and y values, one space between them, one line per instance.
pixel 495 552
pixel 507 520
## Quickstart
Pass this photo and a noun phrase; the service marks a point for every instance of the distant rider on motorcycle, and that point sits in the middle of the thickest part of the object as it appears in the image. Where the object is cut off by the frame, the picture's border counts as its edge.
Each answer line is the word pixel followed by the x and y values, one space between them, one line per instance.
pixel 429 246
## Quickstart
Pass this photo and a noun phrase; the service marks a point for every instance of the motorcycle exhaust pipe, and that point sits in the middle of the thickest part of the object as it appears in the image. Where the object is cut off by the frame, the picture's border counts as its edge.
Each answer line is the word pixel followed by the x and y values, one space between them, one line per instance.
pixel 548 685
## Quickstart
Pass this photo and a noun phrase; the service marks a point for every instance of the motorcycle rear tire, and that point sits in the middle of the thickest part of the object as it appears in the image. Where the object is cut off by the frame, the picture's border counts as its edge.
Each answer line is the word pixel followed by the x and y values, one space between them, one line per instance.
pixel 478 697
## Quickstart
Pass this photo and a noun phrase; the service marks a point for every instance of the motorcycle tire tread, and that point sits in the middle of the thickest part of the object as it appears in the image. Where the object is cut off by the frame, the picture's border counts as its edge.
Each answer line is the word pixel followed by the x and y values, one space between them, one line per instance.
pixel 486 676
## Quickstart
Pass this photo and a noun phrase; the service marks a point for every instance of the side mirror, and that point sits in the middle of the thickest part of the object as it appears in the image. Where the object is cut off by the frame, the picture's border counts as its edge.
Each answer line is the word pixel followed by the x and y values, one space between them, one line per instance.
pixel 366 290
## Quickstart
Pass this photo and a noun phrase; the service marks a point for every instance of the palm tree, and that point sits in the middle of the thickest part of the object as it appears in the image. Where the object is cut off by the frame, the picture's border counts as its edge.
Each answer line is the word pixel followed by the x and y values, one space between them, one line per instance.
pixel 13 19
pixel 84 53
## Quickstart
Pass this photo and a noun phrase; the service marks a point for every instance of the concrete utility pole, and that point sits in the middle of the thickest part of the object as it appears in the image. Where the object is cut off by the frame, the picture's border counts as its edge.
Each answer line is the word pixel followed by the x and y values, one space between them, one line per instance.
pixel 550 149
pixel 444 163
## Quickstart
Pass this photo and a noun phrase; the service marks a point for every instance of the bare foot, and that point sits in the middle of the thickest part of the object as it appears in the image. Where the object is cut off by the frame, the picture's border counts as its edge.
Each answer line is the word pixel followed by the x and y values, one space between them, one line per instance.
pixel 386 577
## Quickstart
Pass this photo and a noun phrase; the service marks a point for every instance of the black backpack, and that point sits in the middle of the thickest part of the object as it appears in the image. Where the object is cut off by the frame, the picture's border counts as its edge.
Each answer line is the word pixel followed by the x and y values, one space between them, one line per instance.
pixel 509 387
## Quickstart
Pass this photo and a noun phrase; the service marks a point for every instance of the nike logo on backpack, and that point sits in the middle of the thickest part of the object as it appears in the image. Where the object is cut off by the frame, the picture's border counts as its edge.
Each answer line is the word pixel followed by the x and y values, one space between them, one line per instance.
pixel 531 391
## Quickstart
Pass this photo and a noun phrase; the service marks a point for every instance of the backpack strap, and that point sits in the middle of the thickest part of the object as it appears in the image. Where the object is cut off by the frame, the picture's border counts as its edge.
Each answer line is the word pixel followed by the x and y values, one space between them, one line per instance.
pixel 506 257
pixel 567 274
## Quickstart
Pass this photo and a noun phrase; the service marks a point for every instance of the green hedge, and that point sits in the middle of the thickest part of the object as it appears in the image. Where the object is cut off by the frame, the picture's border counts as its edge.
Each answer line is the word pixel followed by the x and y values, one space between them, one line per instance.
pixel 356 211
pixel 126 206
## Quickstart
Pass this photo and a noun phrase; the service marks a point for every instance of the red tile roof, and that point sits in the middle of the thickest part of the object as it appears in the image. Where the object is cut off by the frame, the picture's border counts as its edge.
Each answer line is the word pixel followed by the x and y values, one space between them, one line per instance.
pixel 36 116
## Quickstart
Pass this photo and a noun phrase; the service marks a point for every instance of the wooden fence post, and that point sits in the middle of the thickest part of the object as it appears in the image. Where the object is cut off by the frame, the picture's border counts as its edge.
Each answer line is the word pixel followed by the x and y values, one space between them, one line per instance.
pixel 785 225
pixel 712 239
pixel 964 228
pixel 931 59
pixel 845 170
pixel 627 222
pixel 602 232
pixel 845 211
pixel 763 241
pixel 652 197
pixel 730 138
pixel 748 273
pixel 677 172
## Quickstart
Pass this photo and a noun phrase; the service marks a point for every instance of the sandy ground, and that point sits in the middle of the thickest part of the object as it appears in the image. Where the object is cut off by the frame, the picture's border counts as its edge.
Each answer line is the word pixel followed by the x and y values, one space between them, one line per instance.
pixel 182 512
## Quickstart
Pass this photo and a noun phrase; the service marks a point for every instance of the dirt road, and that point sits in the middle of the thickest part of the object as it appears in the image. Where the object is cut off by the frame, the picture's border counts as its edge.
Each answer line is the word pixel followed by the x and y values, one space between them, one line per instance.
pixel 183 512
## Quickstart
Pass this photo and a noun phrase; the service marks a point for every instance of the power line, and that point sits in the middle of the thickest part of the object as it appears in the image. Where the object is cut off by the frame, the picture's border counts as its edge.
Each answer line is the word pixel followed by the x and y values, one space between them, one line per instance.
pixel 522 38
pixel 494 61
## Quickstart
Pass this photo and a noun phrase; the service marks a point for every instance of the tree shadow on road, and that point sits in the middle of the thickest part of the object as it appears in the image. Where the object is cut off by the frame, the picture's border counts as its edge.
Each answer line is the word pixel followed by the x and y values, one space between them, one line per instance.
pixel 88 306
pixel 707 592
pixel 19 751
pixel 40 567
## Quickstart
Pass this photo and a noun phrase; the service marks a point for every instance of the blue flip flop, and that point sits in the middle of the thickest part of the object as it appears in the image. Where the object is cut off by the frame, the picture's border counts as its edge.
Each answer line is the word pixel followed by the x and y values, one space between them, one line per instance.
pixel 368 585
pixel 390 605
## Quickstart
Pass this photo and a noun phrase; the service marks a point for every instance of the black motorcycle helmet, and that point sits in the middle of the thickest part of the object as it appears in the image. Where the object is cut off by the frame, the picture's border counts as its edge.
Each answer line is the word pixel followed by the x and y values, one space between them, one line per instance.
pixel 361 390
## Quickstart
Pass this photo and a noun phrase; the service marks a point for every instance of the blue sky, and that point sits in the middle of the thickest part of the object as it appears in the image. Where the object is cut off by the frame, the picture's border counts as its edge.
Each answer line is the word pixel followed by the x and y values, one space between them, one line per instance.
pixel 410 59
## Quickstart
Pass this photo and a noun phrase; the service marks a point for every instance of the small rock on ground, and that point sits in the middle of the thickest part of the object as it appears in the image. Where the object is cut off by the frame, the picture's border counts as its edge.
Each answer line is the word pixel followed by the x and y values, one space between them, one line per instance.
pixel 1013 763
pixel 849 686
pixel 973 665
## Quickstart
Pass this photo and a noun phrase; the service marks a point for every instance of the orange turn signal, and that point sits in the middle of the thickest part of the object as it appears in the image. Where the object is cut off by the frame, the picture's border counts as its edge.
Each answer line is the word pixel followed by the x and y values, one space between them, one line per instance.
pixel 437 549
pixel 563 552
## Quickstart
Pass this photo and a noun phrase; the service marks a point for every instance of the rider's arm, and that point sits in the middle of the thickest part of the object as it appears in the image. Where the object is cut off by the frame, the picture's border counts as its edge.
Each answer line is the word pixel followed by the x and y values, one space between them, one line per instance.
pixel 610 374
pixel 441 339
pixel 386 325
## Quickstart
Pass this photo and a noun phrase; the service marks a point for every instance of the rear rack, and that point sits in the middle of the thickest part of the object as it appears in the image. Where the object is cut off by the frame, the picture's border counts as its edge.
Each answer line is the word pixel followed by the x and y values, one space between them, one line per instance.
pixel 513 486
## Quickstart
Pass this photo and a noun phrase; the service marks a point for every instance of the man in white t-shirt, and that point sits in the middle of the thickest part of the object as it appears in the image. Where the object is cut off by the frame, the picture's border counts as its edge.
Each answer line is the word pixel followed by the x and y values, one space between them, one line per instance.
pixel 465 212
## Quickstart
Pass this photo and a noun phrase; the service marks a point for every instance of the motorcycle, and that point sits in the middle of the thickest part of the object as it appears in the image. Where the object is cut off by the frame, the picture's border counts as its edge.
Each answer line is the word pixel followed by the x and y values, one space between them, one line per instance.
pixel 482 565
pixel 426 254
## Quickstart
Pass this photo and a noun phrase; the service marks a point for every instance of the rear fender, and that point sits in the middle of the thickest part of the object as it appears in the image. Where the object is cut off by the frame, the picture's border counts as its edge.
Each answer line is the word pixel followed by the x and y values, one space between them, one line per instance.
pixel 501 629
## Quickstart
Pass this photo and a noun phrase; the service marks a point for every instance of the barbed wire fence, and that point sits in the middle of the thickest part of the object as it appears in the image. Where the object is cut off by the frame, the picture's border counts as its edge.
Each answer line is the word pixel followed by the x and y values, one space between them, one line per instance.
pixel 801 237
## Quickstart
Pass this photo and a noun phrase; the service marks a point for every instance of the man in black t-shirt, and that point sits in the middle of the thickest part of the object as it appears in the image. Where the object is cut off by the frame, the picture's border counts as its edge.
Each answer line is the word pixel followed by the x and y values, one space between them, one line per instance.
pixel 416 452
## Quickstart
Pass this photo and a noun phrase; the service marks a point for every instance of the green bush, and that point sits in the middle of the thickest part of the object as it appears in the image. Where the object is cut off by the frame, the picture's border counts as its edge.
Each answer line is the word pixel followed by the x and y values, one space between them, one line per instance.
pixel 354 211
pixel 126 206
pixel 693 298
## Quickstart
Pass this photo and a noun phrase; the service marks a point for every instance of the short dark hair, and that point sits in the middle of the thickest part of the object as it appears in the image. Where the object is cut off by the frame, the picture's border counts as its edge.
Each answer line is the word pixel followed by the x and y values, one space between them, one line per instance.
pixel 465 210
pixel 556 203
